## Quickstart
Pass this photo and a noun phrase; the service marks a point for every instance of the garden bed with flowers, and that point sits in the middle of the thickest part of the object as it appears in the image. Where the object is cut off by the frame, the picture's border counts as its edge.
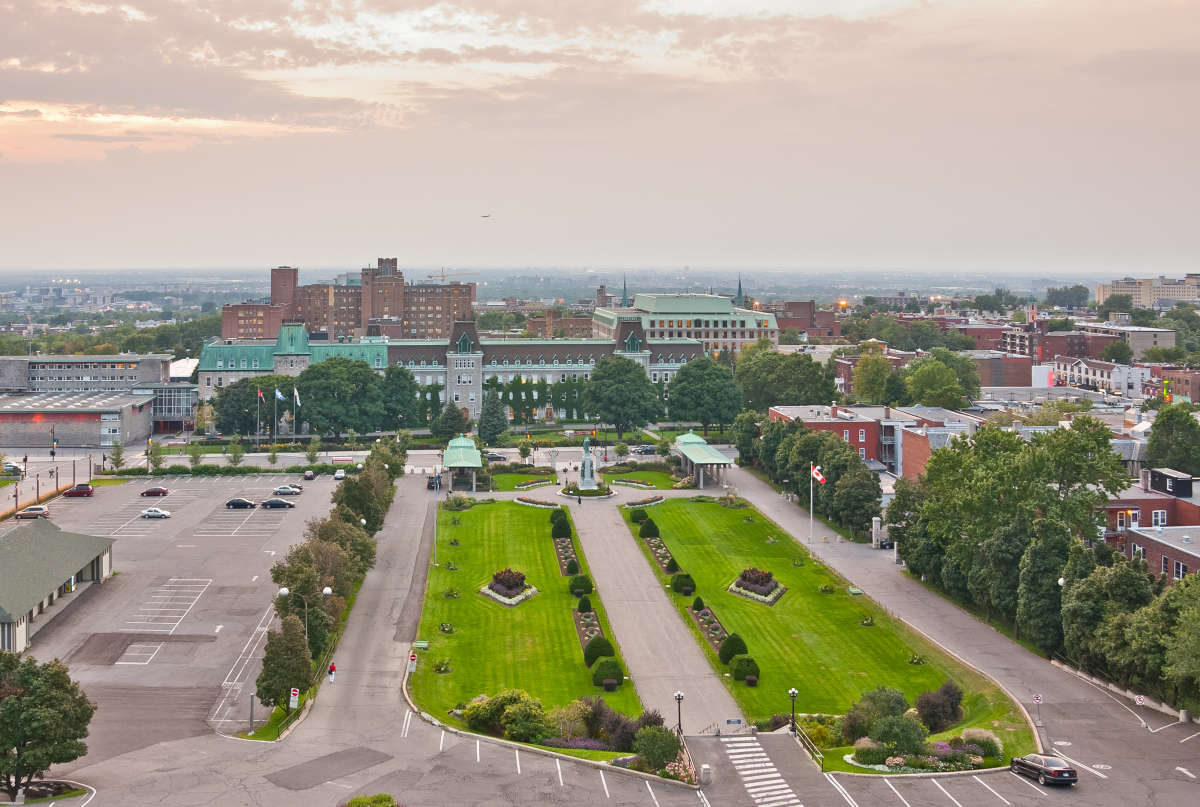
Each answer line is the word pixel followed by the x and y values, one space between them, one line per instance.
pixel 528 502
pixel 508 587
pixel 645 502
pixel 758 585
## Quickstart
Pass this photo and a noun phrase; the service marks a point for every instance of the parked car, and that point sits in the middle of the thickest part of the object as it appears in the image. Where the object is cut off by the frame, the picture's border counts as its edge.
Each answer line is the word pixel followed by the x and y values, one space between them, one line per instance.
pixel 1048 770
pixel 886 543
pixel 82 489
pixel 295 485
pixel 35 511
pixel 340 473
pixel 271 504
pixel 492 456
pixel 309 475
pixel 155 491
pixel 240 503
pixel 431 483
pixel 644 449
pixel 285 490
pixel 156 512
pixel 12 469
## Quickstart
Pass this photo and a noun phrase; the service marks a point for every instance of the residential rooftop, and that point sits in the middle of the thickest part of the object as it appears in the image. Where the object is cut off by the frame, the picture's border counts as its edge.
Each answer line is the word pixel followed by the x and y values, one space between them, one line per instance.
pixel 72 401
pixel 1185 538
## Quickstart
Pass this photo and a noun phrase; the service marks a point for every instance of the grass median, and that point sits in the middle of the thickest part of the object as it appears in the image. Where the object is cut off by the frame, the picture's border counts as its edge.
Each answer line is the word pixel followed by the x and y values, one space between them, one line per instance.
pixel 660 480
pixel 531 646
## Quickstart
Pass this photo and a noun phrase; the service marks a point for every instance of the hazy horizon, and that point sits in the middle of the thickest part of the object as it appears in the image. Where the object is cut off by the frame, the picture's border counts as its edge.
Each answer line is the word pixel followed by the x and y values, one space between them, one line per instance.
pixel 1031 137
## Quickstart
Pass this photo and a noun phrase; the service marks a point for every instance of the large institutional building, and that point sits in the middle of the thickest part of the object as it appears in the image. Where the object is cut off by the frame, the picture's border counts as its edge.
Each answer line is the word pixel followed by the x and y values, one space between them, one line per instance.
pixel 1152 292
pixel 459 364
pixel 717 323
pixel 377 300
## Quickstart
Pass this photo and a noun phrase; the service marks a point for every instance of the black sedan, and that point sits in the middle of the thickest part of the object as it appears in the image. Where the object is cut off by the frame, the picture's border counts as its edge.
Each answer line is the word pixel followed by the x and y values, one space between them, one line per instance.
pixel 240 504
pixel 1047 770
pixel 273 503
pixel 492 456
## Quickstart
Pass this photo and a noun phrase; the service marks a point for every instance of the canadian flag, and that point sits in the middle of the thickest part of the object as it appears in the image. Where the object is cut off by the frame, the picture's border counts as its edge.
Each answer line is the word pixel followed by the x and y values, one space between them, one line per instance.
pixel 817 475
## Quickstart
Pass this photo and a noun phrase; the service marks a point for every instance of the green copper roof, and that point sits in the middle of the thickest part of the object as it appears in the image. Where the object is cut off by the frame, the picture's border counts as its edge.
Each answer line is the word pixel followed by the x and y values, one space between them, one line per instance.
pixel 691 438
pixel 461 453
pixel 698 451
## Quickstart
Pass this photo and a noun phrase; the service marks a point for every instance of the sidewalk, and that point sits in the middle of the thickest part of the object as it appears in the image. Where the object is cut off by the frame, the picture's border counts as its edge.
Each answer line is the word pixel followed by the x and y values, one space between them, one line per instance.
pixel 660 651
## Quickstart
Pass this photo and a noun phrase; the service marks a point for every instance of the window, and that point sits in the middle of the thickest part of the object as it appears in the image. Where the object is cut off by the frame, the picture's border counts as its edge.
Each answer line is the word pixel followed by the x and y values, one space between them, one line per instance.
pixel 456 397
pixel 1180 570
pixel 1137 551
pixel 1166 564
pixel 254 364
pixel 220 364
pixel 846 435
pixel 243 364
pixel 862 453
pixel 1158 518
pixel 862 435
pixel 1170 482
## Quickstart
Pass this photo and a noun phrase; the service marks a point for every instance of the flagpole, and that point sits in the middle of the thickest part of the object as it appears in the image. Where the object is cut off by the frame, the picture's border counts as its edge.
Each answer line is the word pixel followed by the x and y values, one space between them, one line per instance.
pixel 811 477
pixel 257 419
pixel 275 412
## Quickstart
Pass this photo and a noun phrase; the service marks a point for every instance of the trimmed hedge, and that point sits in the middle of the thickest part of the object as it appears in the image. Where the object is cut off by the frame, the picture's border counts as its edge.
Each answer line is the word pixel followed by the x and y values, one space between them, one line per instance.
pixel 560 528
pixel 597 648
pixel 682 583
pixel 637 515
pixel 648 529
pixel 585 605
pixel 697 605
pixel 581 582
pixel 607 669
pixel 672 566
pixel 733 645
pixel 572 566
pixel 742 666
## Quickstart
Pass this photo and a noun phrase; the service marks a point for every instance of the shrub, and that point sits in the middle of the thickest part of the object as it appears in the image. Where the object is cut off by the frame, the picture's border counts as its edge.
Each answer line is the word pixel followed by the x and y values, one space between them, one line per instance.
pixel 902 734
pixel 869 752
pixel 637 515
pixel 597 648
pixel 672 566
pixel 558 515
pixel 682 583
pixel 987 741
pixel 941 708
pixel 759 581
pixel 507 582
pixel 526 721
pixel 584 606
pixel 580 584
pixel 608 668
pixel 648 529
pixel 697 605
pixel 751 680
pixel 560 529
pixel 656 746
pixel 572 566
pixel 742 666
pixel 733 645
pixel 872 705
pixel 378 800
pixel 484 713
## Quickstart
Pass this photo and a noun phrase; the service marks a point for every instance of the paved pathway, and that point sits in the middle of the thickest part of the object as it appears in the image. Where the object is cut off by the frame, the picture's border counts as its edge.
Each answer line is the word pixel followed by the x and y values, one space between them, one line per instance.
pixel 661 652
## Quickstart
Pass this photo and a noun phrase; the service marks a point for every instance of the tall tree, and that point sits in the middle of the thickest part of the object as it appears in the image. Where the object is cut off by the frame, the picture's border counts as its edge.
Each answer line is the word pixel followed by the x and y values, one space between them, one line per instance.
pixel 1119 352
pixel 1175 440
pixel 768 378
pixel 620 392
pixel 451 422
pixel 856 500
pixel 931 383
pixel 286 663
pixel 1116 302
pixel 745 435
pixel 339 394
pixel 870 378
pixel 400 405
pixel 44 717
pixel 704 391
pixel 1039 596
pixel 493 419
pixel 238 410
pixel 895 391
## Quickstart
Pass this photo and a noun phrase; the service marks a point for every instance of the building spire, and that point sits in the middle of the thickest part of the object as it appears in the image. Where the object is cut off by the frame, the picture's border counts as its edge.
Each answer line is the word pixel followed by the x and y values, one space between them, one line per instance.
pixel 625 301
pixel 740 300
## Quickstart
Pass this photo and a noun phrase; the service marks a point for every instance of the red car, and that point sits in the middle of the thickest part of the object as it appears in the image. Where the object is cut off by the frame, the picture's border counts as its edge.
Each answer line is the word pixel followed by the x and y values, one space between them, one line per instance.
pixel 155 492
pixel 82 489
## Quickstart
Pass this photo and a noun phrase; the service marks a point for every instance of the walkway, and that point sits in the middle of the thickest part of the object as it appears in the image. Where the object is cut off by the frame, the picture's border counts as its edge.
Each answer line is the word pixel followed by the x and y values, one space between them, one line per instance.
pixel 660 651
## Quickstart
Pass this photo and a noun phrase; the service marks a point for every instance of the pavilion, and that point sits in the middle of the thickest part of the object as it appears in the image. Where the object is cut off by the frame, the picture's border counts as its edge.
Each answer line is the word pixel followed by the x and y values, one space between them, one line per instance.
pixel 460 457
pixel 700 459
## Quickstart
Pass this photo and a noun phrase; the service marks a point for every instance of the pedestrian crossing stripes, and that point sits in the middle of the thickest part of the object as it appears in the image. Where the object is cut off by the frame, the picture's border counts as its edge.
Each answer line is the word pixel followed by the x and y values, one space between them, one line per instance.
pixel 759 776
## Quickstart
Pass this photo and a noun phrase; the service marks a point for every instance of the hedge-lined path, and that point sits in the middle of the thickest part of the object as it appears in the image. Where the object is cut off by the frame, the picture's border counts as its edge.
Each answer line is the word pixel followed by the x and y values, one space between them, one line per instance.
pixel 659 649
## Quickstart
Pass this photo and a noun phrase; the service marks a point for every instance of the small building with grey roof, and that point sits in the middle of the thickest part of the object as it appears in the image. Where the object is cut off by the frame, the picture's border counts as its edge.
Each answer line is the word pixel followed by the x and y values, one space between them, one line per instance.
pixel 76 419
pixel 40 565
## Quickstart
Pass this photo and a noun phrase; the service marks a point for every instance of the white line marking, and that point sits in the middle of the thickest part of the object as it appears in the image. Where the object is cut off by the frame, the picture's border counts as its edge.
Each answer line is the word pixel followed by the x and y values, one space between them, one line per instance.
pixel 652 796
pixel 559 766
pixel 185 546
pixel 517 754
pixel 1190 736
pixel 1185 772
pixel 339 784
pixel 1027 782
pixel 897 792
pixel 441 741
pixel 248 650
pixel 270 552
pixel 477 752
pixel 838 787
pixel 407 722
pixel 252 579
pixel 994 793
pixel 703 798
pixel 939 787
pixel 605 785
pixel 1079 764
pixel 1160 728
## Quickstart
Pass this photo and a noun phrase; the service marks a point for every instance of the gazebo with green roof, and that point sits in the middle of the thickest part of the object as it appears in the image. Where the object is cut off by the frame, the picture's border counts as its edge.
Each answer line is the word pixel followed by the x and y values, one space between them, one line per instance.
pixel 701 459
pixel 461 456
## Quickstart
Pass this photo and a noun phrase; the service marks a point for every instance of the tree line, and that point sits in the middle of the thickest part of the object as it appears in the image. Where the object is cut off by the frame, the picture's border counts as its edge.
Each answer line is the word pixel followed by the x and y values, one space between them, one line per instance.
pixel 939 378
pixel 180 340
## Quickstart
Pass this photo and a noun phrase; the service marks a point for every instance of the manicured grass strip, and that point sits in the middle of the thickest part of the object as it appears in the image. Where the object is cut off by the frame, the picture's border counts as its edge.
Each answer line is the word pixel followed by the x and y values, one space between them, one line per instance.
pixel 70 794
pixel 532 646
pixel 103 481
pixel 659 479
pixel 810 640
pixel 509 481
pixel 583 753
pixel 278 721
pixel 714 435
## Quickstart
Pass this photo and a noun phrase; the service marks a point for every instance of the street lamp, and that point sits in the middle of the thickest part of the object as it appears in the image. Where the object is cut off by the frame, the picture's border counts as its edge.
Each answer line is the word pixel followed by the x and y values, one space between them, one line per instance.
pixel 287 592
pixel 679 711
pixel 792 693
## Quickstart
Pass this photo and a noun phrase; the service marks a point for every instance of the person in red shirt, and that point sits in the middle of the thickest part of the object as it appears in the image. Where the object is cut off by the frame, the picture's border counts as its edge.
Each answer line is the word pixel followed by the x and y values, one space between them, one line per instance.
pixel 332 670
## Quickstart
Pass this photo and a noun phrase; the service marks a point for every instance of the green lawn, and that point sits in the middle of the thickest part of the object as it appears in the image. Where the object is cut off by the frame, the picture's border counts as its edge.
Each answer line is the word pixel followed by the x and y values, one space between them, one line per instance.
pixel 810 640
pixel 659 479
pixel 509 481
pixel 714 435
pixel 532 646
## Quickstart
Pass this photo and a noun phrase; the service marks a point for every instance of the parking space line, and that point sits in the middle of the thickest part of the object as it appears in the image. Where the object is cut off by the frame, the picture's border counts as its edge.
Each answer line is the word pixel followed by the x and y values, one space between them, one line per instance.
pixel 558 765
pixel 1079 764
pixel 517 752
pixel 903 800
pixel 653 797
pixel 840 789
pixel 939 787
pixel 994 793
pixel 1027 783
pixel 1190 736
pixel 603 782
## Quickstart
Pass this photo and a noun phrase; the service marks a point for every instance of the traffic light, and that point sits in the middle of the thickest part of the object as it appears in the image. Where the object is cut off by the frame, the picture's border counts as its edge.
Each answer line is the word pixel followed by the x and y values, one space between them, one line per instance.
pixel 53 447
pixel 593 432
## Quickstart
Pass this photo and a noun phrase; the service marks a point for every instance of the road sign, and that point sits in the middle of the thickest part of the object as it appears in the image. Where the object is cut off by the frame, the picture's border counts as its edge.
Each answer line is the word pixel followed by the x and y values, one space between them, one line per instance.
pixel 412 656
pixel 1141 700
pixel 733 721
pixel 294 700
pixel 1037 699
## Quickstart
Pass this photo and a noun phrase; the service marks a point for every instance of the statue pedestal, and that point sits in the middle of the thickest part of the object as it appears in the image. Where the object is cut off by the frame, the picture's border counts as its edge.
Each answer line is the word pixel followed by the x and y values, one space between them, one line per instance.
pixel 587 474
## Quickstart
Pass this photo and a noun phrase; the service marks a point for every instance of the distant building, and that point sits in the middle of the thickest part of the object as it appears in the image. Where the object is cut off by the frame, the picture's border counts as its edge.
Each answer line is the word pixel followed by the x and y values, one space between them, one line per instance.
pixel 251 320
pixel 999 369
pixel 1148 292
pixel 1028 340
pixel 712 320
pixel 1093 374
pixel 803 316
pixel 552 323
pixel 76 419
pixel 1139 338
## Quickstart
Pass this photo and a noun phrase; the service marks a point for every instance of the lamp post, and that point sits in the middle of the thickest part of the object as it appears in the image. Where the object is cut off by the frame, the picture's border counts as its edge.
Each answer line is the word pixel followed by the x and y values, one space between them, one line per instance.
pixel 792 693
pixel 679 711
pixel 286 592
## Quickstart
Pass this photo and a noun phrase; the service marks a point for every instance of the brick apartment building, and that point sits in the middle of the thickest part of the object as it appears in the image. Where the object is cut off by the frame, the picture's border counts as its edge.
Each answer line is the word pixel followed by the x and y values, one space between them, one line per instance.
pixel 985 335
pixel 1119 379
pixel 1158 520
pixel 552 323
pixel 1184 384
pixel 999 369
pixel 804 316
pixel 860 431
pixel 1042 347
pixel 251 320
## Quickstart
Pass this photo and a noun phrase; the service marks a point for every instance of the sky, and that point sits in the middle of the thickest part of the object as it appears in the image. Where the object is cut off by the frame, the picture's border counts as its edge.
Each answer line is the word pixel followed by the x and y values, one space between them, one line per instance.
pixel 931 135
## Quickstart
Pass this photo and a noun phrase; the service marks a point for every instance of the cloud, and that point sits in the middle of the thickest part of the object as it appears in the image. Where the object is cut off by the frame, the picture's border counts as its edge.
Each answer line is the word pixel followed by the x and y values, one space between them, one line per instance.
pixel 95 138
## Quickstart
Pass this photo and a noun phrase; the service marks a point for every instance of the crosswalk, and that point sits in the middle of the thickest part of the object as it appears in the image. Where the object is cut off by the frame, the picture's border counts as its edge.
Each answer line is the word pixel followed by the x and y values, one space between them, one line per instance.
pixel 759 776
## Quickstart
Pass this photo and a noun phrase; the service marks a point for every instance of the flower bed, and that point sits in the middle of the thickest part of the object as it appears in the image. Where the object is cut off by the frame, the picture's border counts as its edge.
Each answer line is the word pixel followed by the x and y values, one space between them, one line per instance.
pixel 509 601
pixel 646 502
pixel 710 627
pixel 758 585
pixel 587 627
pixel 662 555
pixel 508 583
pixel 572 491
pixel 528 502
pixel 529 484
pixel 765 599
pixel 564 548
pixel 633 483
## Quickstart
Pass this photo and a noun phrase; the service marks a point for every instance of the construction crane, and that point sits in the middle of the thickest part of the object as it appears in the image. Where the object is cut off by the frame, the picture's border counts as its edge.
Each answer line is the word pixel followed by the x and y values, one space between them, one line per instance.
pixel 443 274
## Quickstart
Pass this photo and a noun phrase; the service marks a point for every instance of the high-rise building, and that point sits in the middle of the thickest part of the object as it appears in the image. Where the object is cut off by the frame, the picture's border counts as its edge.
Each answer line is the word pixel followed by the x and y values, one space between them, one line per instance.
pixel 713 320
pixel 1148 292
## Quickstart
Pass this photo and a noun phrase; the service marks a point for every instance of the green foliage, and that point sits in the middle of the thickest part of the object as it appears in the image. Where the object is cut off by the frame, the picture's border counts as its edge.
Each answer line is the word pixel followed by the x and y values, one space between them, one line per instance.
pixel 158 455
pixel 1175 440
pixel 608 669
pixel 745 435
pixel 734 645
pixel 286 663
pixel 584 607
pixel 525 448
pixel 525 721
pixel 704 391
pixel 768 378
pixel 621 449
pixel 932 383
pixel 400 404
pixel 870 378
pixel 493 419
pixel 367 495
pixel 871 707
pixel 940 709
pixel 1039 597
pixel 620 392
pixel 869 752
pixel 597 648
pixel 648 529
pixel 312 450
pixel 682 583
pixel 236 451
pixel 195 453
pixel 856 499
pixel 1067 296
pixel 237 409
pixel 672 566
pixel 697 605
pixel 741 666
pixel 572 566
pixel 378 800
pixel 451 422
pixel 560 528
pixel 116 454
pixel 340 394
pixel 1116 302
pixel 44 717
pixel 1119 352
pixel 637 515
pixel 272 454
pixel 484 714
pixel 580 583
pixel 900 734
pixel 656 745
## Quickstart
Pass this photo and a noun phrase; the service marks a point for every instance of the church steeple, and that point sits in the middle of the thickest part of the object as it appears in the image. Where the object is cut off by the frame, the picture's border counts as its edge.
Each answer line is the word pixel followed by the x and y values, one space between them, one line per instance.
pixel 740 300
pixel 625 301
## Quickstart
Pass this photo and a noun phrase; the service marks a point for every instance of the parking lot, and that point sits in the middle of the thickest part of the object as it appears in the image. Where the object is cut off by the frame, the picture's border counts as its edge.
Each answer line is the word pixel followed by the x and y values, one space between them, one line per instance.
pixel 183 620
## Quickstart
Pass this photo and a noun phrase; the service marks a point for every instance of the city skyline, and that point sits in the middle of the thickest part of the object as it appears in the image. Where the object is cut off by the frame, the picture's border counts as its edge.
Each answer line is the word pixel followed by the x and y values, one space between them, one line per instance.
pixel 1026 137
